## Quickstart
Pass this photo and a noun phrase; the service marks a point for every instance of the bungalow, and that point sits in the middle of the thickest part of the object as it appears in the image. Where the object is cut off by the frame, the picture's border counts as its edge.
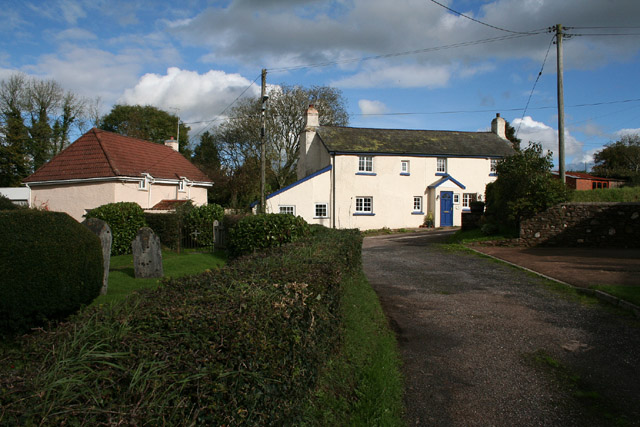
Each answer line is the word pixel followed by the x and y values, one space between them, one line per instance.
pixel 374 178
pixel 103 167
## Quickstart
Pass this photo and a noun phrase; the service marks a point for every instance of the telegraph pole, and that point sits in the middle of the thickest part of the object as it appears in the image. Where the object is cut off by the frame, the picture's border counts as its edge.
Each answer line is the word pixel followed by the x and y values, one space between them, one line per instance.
pixel 560 103
pixel 263 160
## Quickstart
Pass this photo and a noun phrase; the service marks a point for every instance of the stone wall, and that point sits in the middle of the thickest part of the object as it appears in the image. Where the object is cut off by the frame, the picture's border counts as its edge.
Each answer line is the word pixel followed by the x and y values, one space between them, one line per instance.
pixel 584 224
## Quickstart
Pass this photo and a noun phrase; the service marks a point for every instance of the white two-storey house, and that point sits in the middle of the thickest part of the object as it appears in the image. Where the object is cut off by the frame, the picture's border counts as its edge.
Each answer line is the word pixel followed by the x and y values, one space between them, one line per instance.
pixel 373 178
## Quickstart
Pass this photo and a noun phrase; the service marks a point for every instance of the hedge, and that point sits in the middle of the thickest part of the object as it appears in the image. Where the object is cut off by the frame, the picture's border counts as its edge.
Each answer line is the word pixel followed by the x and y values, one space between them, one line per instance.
pixel 50 265
pixel 257 232
pixel 242 345
pixel 125 219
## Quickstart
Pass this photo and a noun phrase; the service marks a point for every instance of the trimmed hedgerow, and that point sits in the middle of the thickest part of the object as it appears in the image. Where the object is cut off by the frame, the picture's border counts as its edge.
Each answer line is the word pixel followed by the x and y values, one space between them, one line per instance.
pixel 198 222
pixel 50 265
pixel 125 219
pixel 257 232
pixel 166 226
pixel 7 205
pixel 242 345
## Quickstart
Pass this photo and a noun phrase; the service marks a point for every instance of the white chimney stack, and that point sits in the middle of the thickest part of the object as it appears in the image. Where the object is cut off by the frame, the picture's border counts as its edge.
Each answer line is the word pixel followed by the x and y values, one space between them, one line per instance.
pixel 172 143
pixel 498 126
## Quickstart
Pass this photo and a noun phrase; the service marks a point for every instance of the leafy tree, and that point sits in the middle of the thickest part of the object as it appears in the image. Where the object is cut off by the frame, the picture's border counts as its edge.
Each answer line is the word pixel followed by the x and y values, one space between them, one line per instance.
pixel 238 139
pixel 524 187
pixel 510 133
pixel 620 159
pixel 148 123
pixel 36 119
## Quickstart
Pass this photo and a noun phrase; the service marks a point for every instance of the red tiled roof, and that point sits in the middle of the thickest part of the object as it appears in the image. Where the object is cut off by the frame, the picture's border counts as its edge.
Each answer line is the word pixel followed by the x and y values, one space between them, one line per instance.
pixel 102 154
pixel 583 175
pixel 167 204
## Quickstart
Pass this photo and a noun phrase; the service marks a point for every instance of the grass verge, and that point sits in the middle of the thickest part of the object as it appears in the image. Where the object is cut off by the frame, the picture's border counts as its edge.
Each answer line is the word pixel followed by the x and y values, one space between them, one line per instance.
pixel 627 293
pixel 362 383
pixel 122 280
pixel 624 194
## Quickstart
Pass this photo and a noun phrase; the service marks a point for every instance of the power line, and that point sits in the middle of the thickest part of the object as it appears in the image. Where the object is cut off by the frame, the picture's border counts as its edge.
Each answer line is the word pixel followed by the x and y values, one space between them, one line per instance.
pixel 494 109
pixel 483 23
pixel 534 85
pixel 405 53
pixel 217 117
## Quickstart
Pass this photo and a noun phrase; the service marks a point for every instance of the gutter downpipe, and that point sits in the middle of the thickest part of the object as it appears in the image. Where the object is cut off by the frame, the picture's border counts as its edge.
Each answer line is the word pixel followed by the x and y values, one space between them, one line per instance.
pixel 333 189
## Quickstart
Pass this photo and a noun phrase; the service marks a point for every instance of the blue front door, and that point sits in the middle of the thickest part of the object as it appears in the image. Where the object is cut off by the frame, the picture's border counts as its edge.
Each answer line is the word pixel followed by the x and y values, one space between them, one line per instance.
pixel 446 209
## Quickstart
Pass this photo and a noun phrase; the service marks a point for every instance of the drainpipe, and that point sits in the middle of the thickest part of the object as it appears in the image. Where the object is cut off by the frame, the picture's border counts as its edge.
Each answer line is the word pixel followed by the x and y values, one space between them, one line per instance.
pixel 333 189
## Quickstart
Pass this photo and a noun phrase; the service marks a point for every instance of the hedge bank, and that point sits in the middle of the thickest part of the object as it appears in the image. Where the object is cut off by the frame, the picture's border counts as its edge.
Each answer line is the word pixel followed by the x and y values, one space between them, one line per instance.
pixel 242 345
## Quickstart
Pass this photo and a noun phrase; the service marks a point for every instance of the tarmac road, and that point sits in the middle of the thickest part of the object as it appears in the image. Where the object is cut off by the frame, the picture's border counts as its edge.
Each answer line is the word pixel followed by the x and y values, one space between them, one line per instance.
pixel 478 340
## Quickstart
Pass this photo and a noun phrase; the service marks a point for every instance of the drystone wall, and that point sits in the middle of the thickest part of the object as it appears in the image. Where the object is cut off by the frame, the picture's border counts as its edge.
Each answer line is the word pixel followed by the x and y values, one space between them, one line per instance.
pixel 584 224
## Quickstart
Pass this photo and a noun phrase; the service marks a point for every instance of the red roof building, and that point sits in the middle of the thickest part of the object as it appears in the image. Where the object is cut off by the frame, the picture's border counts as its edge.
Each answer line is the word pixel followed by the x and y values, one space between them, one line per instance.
pixel 584 181
pixel 103 167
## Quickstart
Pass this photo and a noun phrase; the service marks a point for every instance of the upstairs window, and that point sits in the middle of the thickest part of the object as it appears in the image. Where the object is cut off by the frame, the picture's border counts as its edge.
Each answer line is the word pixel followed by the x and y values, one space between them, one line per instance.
pixel 442 165
pixel 494 164
pixel 365 164
pixel 142 185
pixel 181 185
pixel 404 167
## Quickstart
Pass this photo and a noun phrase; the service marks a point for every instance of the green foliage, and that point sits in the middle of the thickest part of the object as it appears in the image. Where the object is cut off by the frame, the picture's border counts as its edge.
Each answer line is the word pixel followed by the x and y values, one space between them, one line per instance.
pixel 237 140
pixel 524 187
pixel 257 232
pixel 7 205
pixel 198 222
pixel 146 122
pixel 620 159
pixel 241 345
pixel 50 265
pixel 620 195
pixel 167 227
pixel 125 219
pixel 36 119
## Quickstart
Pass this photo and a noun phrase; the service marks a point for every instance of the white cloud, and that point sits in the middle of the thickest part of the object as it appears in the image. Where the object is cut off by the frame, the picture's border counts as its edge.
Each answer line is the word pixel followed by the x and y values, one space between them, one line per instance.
pixel 406 76
pixel 372 107
pixel 623 132
pixel 197 96
pixel 75 34
pixel 533 131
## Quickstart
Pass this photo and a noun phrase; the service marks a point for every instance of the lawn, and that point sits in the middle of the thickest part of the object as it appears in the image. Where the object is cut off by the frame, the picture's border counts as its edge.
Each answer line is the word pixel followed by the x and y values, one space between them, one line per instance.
pixel 627 293
pixel 122 281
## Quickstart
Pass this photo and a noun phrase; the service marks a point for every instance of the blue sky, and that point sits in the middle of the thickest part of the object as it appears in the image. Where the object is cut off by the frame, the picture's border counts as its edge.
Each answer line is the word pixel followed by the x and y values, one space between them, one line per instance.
pixel 400 64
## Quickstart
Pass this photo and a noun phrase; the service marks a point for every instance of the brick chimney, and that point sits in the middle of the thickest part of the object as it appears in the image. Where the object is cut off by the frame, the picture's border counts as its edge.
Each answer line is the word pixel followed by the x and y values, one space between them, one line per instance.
pixel 498 126
pixel 172 143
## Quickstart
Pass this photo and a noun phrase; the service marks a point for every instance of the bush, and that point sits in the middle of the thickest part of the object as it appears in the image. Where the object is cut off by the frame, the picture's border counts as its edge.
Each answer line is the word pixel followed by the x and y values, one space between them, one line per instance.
pixel 256 232
pixel 125 219
pixel 50 265
pixel 524 187
pixel 7 205
pixel 198 222
pixel 242 345
pixel 166 226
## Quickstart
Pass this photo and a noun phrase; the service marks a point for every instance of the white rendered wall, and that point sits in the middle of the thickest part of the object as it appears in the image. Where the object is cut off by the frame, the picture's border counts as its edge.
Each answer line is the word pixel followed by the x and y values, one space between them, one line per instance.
pixel 72 199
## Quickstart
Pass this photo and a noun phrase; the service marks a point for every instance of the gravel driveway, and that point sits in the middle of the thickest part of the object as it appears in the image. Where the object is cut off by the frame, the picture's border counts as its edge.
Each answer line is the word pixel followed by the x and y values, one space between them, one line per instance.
pixel 486 344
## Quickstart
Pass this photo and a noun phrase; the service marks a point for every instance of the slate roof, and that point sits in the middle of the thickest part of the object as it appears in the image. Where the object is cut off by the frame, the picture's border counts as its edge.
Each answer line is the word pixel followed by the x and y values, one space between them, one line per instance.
pixel 346 140
pixel 102 154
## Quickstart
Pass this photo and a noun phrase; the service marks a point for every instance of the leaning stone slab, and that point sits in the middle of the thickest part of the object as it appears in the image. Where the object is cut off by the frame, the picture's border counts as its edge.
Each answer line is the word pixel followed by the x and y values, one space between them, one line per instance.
pixel 103 231
pixel 147 254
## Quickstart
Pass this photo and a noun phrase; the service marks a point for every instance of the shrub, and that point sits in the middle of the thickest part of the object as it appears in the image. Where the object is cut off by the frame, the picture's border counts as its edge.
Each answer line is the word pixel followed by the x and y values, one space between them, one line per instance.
pixel 50 265
pixel 242 345
pixel 256 232
pixel 7 205
pixel 524 187
pixel 125 219
pixel 198 222
pixel 166 226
